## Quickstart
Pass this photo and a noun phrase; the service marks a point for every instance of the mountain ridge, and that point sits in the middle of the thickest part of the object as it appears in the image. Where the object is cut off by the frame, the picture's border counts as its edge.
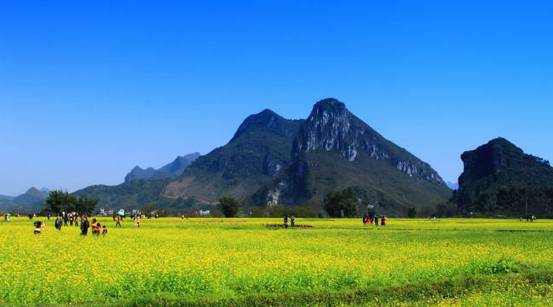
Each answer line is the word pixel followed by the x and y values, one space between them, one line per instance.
pixel 170 170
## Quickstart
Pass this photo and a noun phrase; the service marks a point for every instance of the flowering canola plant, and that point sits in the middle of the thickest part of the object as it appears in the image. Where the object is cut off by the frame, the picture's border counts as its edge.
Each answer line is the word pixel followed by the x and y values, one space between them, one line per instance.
pixel 218 259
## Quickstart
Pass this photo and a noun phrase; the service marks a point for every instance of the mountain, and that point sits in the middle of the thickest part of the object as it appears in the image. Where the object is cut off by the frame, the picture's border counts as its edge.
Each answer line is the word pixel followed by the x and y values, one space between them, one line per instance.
pixel 32 200
pixel 335 149
pixel 133 194
pixel 171 170
pixel 499 178
pixel 138 173
pixel 273 161
pixel 259 150
pixel 5 197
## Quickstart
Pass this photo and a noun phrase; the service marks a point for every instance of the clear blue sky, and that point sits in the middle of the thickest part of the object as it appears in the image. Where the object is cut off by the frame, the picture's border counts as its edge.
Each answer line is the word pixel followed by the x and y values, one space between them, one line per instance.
pixel 89 89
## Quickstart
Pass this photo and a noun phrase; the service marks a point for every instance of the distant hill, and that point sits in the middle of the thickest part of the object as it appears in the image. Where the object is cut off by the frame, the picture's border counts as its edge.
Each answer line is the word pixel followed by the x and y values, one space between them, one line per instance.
pixel 171 170
pixel 30 201
pixel 5 197
pixel 500 179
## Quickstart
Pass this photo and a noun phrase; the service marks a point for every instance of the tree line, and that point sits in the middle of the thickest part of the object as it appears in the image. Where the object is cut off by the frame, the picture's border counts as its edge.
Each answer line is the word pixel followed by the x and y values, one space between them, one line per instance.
pixel 513 201
pixel 59 201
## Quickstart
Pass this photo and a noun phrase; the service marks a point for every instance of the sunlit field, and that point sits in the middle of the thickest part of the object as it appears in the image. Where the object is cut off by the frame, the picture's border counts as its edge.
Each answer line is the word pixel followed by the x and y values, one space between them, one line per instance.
pixel 238 262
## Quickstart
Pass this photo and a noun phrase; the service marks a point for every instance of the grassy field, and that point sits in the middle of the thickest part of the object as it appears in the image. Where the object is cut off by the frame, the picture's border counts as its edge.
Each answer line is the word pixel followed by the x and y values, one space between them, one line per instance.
pixel 236 262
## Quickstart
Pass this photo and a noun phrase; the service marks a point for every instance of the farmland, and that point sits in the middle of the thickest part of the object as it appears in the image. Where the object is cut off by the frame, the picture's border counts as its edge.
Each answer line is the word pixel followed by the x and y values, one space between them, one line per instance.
pixel 241 262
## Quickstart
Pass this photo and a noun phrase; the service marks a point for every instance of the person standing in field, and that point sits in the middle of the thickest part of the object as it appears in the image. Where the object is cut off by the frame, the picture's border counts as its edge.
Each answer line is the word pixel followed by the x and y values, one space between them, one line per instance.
pixel 84 226
pixel 293 221
pixel 376 220
pixel 383 221
pixel 286 221
pixel 118 221
pixel 58 223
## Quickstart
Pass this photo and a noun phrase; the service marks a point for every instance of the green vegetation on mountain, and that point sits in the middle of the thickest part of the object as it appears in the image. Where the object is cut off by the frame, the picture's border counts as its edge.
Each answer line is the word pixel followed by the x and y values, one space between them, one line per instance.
pixel 374 182
pixel 500 179
pixel 336 150
pixel 259 150
pixel 136 194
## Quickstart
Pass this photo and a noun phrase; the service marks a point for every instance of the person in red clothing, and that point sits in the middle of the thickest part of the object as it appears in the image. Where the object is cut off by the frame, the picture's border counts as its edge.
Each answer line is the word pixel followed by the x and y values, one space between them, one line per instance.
pixel 383 221
pixel 96 228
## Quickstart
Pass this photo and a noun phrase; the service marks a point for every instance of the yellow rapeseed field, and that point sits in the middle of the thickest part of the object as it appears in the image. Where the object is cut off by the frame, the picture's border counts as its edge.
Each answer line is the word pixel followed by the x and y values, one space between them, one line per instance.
pixel 240 262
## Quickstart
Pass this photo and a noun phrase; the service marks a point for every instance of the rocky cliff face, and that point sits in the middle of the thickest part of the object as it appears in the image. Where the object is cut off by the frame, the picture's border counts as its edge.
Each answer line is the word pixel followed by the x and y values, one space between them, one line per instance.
pixel 499 165
pixel 334 149
pixel 332 127
pixel 498 155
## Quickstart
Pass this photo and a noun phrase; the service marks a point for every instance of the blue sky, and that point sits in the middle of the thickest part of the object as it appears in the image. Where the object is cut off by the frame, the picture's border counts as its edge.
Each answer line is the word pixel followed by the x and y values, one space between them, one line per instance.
pixel 89 89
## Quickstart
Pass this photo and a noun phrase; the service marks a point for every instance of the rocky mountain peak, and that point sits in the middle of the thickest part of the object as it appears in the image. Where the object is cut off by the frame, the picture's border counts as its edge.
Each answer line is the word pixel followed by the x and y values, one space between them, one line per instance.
pixel 171 170
pixel 332 127
pixel 495 178
pixel 35 192
pixel 265 120
pixel 330 105
pixel 497 155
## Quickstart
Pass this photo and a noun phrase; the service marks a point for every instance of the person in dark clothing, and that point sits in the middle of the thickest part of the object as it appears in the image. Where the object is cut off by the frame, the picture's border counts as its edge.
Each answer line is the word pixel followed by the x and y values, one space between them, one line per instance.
pixel 293 221
pixel 286 221
pixel 84 226
pixel 58 223
pixel 376 221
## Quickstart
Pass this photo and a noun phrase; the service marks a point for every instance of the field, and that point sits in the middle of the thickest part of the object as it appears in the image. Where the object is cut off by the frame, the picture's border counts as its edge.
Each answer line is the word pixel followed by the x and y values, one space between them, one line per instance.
pixel 237 262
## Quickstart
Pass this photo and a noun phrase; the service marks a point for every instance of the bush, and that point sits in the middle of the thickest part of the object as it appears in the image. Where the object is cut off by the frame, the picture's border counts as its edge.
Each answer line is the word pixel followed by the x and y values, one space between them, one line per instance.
pixel 412 212
pixel 341 203
pixel 229 206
